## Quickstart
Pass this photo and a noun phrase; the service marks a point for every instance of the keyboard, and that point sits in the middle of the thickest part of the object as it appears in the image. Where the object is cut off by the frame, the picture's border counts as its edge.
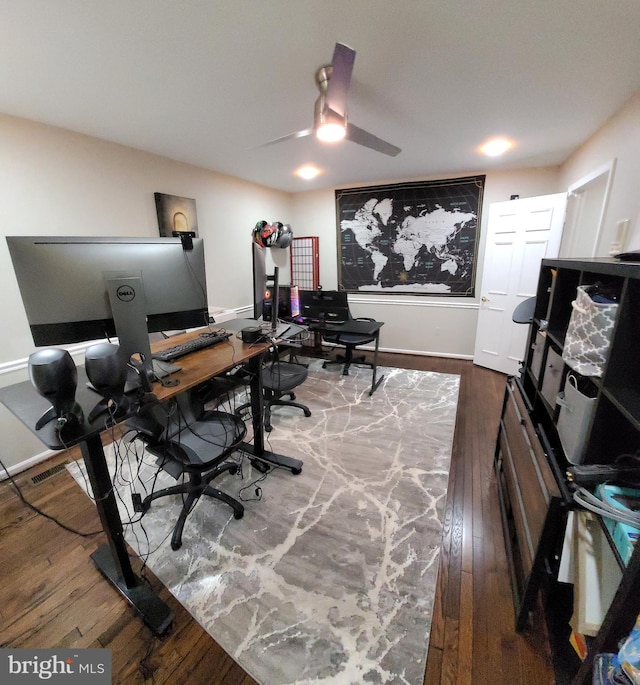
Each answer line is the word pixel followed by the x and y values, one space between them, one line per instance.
pixel 199 343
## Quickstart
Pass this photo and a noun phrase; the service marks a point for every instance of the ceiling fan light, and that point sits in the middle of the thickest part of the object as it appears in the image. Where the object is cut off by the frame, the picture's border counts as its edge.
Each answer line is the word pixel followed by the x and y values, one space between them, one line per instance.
pixel 330 132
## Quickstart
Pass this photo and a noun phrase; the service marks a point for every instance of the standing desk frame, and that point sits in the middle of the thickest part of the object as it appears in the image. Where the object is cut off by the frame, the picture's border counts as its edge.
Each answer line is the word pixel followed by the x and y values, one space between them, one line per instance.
pixel 112 559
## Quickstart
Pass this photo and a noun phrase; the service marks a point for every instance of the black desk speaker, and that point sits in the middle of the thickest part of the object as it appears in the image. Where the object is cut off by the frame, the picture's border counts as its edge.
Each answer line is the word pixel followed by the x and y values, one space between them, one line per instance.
pixel 54 375
pixel 106 367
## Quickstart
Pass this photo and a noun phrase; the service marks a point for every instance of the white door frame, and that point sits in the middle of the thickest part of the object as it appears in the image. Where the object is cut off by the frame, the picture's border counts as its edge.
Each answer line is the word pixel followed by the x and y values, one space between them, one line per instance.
pixel 576 194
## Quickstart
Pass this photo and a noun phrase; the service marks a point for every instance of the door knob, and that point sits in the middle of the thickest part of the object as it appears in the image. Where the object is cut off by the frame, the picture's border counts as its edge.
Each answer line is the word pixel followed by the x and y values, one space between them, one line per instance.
pixel 485 299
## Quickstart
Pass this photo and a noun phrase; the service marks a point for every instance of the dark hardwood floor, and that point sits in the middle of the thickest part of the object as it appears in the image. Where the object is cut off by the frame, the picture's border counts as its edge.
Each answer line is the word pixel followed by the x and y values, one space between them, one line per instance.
pixel 52 595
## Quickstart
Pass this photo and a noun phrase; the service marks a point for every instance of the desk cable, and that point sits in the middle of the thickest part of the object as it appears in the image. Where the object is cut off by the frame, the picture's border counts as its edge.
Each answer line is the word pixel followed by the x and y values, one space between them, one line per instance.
pixel 254 485
pixel 589 501
pixel 109 425
pixel 130 481
pixel 145 668
pixel 172 409
pixel 231 399
pixel 39 511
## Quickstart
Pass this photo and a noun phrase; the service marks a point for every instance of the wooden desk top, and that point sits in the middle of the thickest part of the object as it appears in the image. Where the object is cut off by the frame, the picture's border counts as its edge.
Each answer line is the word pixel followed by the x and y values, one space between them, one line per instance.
pixel 204 364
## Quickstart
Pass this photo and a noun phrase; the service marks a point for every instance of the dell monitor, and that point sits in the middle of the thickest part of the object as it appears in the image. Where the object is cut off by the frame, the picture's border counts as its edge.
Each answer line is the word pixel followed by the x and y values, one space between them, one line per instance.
pixel 77 289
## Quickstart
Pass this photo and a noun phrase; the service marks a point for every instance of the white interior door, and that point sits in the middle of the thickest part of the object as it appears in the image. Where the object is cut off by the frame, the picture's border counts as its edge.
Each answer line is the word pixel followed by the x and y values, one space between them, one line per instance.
pixel 520 234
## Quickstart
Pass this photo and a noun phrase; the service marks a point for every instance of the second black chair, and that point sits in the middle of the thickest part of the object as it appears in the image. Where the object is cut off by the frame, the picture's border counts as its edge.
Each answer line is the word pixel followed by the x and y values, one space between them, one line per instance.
pixel 279 378
pixel 350 341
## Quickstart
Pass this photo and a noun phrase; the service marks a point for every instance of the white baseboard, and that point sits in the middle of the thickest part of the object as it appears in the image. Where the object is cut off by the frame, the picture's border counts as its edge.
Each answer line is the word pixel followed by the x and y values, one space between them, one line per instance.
pixel 26 464
pixel 423 353
pixel 418 353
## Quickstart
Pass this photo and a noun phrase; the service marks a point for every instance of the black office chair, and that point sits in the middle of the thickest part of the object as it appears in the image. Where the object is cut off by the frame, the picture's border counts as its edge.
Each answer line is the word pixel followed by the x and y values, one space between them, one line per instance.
pixel 279 378
pixel 350 341
pixel 195 443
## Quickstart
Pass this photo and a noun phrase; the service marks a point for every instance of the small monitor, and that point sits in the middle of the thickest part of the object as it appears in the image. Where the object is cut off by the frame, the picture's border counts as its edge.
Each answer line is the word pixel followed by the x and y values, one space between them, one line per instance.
pixel 324 305
pixel 288 301
pixel 294 299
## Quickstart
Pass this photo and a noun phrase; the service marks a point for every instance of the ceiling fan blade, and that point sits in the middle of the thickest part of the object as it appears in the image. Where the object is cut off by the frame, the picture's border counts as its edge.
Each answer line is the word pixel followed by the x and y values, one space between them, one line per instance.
pixel 362 137
pixel 290 136
pixel 338 87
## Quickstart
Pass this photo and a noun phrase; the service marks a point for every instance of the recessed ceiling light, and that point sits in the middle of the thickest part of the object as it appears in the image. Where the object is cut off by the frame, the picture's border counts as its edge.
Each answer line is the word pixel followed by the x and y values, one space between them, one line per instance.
pixel 496 147
pixel 307 172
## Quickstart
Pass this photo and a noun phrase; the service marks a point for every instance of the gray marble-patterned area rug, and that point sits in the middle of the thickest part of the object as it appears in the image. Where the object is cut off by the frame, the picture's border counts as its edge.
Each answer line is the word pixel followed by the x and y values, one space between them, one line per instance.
pixel 330 576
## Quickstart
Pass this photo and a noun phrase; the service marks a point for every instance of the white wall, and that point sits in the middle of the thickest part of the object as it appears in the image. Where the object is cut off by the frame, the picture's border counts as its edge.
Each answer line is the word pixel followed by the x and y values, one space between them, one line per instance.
pixel 619 140
pixel 55 182
pixel 424 325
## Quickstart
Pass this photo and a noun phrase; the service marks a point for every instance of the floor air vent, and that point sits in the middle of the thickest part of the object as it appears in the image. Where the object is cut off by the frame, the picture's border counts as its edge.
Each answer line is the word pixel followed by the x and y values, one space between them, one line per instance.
pixel 49 472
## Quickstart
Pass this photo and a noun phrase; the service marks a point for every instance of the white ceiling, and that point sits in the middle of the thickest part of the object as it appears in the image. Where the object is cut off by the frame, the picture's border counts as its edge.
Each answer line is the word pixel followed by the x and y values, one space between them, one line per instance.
pixel 205 81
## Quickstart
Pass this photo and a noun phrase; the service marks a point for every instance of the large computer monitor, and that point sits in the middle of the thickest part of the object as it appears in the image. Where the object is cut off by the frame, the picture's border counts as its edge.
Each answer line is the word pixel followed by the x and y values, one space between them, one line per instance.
pixel 78 289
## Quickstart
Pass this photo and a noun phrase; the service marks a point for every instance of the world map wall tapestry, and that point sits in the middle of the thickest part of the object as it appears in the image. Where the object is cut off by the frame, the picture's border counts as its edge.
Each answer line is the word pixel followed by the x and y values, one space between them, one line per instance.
pixel 420 237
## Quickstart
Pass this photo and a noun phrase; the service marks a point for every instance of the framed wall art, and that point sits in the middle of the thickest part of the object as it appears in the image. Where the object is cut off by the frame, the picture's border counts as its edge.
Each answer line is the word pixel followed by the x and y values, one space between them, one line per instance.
pixel 176 214
pixel 419 237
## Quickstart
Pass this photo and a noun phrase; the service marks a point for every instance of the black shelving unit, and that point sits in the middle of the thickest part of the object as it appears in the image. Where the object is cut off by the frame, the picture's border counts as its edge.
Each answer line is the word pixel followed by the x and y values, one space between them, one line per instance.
pixel 614 427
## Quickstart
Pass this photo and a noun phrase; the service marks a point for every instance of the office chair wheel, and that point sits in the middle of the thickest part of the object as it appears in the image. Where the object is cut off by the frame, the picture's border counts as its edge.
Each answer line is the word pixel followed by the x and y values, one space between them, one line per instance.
pixel 296 472
pixel 233 469
pixel 238 514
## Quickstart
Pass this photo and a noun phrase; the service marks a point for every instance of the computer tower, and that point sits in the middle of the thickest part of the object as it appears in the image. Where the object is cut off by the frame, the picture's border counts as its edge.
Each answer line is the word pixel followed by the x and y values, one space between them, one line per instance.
pixel 267 302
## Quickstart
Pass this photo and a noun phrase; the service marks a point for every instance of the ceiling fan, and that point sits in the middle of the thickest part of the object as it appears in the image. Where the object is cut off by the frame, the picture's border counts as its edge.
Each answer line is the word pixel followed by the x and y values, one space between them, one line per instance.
pixel 330 122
